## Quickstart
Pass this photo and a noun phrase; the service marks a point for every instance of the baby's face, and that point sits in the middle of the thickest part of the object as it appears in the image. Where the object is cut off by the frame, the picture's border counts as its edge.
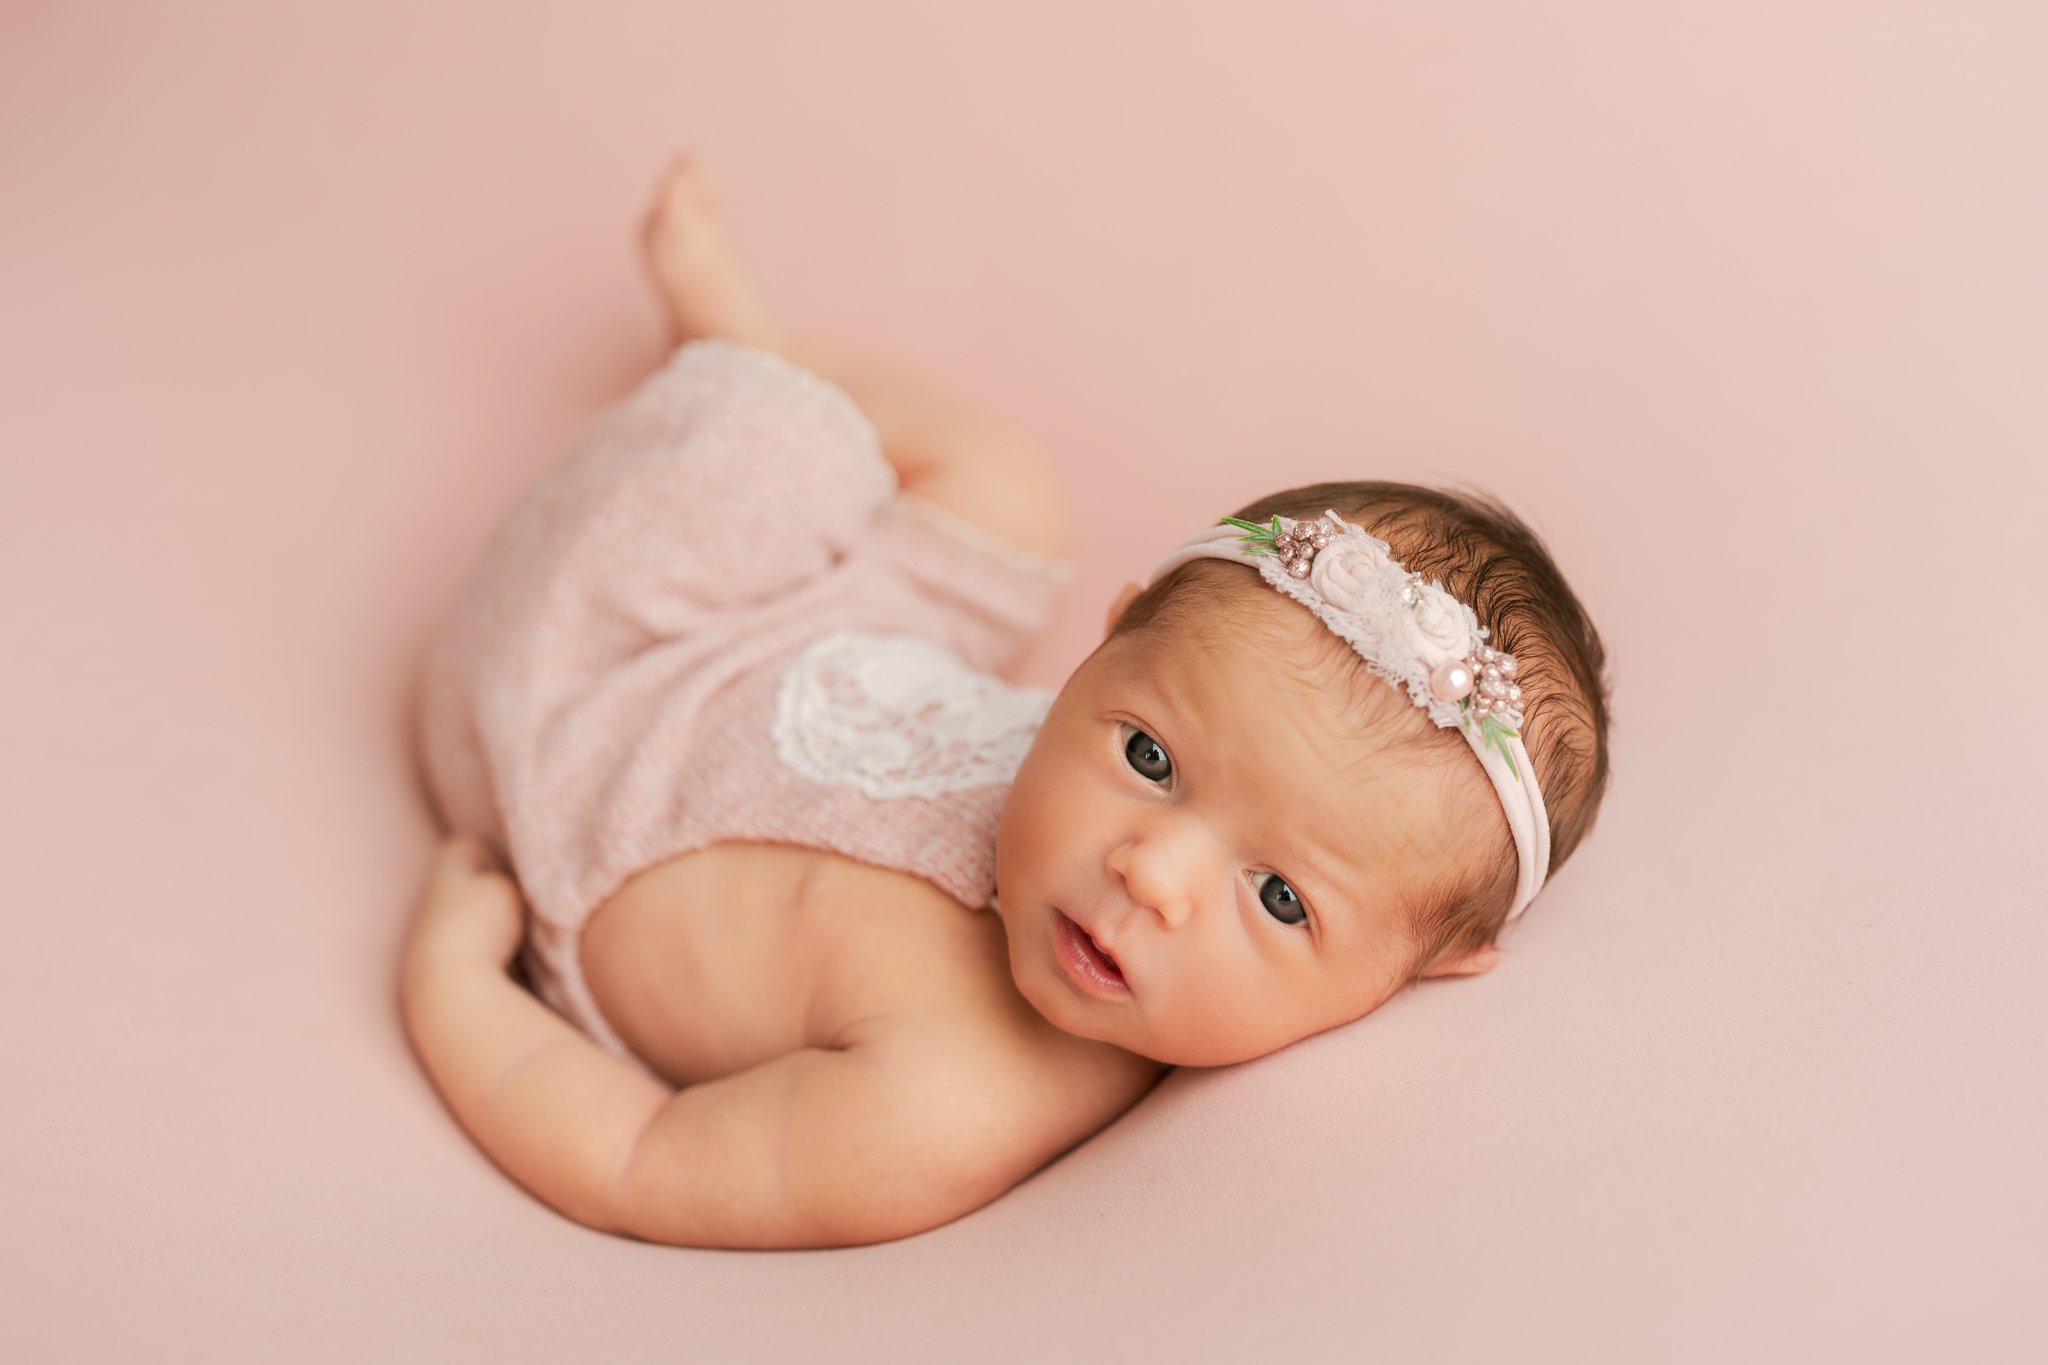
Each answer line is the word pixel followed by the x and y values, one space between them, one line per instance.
pixel 1237 843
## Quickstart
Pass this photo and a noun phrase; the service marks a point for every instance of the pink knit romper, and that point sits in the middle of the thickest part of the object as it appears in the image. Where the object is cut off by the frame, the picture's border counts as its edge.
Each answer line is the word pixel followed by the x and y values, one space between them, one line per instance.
pixel 719 620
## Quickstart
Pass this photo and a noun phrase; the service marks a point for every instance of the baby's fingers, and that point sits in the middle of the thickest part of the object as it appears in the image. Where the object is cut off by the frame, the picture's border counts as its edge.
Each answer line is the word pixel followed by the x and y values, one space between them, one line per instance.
pixel 471 908
pixel 464 856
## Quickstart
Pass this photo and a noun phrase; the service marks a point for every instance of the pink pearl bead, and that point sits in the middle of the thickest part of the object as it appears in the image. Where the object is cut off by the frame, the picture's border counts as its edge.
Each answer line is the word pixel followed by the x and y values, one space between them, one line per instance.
pixel 1452 681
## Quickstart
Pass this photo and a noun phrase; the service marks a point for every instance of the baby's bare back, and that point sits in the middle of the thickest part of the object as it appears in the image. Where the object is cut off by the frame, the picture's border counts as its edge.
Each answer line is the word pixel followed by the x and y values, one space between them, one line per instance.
pixel 740 962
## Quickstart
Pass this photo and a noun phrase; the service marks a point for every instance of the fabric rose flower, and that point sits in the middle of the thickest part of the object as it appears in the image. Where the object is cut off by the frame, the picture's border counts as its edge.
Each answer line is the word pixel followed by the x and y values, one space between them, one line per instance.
pixel 1438 630
pixel 1343 570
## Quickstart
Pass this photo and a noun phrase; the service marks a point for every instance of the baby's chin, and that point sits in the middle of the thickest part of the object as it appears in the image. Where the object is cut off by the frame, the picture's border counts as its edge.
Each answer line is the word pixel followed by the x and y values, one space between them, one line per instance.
pixel 1060 1010
pixel 1071 1018
pixel 1203 1046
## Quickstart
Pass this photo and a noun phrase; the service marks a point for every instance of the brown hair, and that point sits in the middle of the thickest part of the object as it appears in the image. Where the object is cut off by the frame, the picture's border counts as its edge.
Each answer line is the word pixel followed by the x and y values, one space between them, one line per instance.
pixel 1486 557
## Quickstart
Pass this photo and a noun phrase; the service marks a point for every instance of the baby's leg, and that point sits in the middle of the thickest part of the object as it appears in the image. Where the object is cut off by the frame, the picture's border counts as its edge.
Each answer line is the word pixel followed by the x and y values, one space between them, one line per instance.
pixel 943 447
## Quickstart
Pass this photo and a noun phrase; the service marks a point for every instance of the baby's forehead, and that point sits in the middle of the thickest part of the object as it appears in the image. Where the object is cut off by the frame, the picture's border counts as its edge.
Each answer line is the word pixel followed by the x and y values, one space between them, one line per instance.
pixel 1266 656
pixel 1285 712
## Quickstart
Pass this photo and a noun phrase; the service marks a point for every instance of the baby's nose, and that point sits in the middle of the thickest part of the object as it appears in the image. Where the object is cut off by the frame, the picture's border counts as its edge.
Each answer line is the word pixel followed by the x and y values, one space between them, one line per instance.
pixel 1157 875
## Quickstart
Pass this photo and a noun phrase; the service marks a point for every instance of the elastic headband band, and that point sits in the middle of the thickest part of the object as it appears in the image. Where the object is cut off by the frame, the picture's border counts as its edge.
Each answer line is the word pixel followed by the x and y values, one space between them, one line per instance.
pixel 1413 634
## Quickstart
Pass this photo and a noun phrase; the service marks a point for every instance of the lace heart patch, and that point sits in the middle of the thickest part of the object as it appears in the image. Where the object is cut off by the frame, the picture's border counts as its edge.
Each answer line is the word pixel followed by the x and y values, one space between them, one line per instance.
pixel 897 716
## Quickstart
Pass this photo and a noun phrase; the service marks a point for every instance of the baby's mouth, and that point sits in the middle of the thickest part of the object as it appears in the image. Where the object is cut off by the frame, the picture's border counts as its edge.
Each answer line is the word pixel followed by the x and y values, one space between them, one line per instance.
pixel 1095 957
pixel 1108 962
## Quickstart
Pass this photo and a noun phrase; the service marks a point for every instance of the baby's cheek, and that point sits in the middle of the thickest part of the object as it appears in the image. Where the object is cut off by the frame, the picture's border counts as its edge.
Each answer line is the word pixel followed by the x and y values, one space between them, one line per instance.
pixel 1266 1018
pixel 1013 839
pixel 1027 831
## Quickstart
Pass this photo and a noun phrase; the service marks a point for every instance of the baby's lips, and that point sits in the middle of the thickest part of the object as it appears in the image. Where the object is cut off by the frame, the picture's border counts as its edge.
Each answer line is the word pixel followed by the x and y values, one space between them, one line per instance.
pixel 1107 956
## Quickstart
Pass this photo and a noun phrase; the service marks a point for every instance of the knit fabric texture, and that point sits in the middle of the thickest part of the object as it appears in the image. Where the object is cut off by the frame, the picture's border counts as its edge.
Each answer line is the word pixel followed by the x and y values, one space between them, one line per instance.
pixel 720 619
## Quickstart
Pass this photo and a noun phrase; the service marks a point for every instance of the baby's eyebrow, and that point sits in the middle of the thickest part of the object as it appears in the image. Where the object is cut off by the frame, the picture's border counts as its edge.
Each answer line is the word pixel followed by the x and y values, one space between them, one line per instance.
pixel 1146 685
pixel 1329 879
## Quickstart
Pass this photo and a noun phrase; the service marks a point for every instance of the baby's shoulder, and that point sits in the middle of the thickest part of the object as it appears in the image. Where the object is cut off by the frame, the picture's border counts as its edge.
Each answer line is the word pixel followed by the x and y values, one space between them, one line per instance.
pixel 921 984
pixel 1029 1089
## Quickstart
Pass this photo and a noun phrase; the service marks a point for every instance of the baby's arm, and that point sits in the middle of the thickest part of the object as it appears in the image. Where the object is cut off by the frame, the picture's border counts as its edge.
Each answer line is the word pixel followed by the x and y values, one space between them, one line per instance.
pixel 888 1136
pixel 545 1103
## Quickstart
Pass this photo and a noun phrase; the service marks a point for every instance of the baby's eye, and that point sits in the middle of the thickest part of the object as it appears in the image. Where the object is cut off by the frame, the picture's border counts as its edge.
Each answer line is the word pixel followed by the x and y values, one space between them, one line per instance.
pixel 1146 757
pixel 1280 899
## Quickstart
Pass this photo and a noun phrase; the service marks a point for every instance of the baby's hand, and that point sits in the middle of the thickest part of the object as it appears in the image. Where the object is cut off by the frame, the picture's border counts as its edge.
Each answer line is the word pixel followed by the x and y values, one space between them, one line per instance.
pixel 470 911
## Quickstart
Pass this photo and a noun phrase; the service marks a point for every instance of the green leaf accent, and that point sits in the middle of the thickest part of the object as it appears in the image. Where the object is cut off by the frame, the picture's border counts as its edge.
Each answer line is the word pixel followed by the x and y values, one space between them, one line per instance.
pixel 1496 737
pixel 1260 541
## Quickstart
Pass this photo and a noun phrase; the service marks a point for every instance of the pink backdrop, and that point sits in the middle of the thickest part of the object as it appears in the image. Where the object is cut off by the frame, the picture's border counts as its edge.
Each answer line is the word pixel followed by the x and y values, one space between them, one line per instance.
pixel 1742 304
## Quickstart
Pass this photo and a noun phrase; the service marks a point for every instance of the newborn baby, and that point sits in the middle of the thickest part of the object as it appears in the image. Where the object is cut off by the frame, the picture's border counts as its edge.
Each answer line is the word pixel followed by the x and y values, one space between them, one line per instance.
pixel 839 936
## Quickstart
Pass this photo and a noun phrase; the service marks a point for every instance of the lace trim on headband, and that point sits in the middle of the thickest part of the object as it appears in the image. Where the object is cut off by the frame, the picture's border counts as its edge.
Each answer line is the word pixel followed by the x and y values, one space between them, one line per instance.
pixel 1408 631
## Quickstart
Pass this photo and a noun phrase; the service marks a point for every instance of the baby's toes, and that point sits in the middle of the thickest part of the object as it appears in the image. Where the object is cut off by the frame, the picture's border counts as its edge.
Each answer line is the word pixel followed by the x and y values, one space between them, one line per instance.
pixel 687 184
pixel 684 201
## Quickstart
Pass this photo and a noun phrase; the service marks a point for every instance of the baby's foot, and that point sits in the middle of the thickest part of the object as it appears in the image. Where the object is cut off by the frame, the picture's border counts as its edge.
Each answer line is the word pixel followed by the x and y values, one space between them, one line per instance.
pixel 702 287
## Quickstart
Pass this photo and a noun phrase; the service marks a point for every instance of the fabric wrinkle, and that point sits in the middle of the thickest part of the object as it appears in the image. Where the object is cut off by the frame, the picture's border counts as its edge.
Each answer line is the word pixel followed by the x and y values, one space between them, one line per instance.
pixel 603 694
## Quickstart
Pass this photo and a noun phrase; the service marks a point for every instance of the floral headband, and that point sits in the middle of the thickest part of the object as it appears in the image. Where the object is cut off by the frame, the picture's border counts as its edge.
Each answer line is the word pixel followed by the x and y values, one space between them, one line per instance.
pixel 1413 634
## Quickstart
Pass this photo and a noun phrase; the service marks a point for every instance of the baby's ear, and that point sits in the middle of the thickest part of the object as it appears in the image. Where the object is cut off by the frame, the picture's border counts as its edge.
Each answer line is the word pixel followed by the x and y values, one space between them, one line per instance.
pixel 1123 599
pixel 1471 964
